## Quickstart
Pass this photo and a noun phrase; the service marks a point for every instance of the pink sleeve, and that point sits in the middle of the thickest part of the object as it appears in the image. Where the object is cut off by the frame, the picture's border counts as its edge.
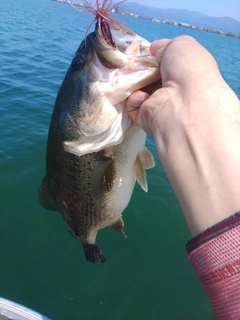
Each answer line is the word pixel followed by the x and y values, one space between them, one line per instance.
pixel 215 256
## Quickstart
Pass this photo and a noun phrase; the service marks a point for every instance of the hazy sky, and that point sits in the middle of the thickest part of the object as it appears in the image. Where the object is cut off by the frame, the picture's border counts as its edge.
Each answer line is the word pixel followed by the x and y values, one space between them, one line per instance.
pixel 213 8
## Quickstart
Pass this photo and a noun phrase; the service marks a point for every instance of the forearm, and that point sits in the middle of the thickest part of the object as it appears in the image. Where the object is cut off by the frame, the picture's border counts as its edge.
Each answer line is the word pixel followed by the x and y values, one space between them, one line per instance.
pixel 195 119
pixel 202 157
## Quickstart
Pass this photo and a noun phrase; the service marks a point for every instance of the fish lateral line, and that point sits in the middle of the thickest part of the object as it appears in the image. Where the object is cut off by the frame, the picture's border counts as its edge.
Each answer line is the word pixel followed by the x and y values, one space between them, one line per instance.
pixel 104 174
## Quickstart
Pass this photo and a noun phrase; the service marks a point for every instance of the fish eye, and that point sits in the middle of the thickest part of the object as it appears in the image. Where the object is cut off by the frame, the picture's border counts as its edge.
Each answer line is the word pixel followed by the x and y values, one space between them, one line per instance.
pixel 77 63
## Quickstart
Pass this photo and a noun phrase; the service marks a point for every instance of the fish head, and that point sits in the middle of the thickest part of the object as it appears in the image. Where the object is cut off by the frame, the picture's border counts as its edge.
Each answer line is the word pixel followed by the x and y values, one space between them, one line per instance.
pixel 102 75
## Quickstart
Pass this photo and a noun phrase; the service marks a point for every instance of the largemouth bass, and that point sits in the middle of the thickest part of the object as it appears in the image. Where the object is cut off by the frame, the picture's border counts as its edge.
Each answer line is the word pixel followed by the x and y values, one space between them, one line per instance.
pixel 95 153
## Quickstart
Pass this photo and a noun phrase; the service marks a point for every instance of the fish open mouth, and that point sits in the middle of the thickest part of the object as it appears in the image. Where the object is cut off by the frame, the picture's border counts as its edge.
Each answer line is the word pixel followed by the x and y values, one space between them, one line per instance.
pixel 127 44
pixel 116 64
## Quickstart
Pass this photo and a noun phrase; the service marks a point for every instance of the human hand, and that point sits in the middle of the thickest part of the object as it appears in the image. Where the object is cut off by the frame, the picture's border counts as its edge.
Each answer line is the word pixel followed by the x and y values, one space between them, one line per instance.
pixel 195 121
pixel 184 63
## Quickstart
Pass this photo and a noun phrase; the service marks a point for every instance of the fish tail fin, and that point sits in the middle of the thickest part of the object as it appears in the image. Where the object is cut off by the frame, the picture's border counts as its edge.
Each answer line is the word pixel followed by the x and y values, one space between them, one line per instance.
pixel 93 253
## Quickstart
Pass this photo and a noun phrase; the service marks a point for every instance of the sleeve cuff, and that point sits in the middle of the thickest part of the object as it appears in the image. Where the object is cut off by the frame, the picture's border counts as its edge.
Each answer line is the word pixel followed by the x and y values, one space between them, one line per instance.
pixel 215 256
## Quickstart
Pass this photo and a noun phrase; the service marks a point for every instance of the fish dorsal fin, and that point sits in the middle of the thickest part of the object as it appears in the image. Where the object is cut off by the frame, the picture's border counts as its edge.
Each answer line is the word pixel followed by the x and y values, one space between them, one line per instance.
pixel 118 227
pixel 45 196
pixel 147 158
pixel 143 161
pixel 104 173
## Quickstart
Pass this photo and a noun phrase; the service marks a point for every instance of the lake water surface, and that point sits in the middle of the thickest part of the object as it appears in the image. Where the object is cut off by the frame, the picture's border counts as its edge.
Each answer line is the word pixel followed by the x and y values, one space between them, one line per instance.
pixel 147 276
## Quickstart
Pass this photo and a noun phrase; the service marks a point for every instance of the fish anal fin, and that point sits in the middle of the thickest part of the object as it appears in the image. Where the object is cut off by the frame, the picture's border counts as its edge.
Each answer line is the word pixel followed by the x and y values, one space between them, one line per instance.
pixel 104 173
pixel 140 174
pixel 147 158
pixel 93 253
pixel 45 196
pixel 118 227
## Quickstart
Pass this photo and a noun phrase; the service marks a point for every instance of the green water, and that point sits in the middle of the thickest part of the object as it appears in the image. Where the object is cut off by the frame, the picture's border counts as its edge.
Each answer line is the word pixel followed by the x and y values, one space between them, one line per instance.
pixel 147 276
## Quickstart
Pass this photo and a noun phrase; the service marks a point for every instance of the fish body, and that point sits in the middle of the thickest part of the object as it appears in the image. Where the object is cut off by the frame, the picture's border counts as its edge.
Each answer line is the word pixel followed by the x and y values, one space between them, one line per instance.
pixel 95 153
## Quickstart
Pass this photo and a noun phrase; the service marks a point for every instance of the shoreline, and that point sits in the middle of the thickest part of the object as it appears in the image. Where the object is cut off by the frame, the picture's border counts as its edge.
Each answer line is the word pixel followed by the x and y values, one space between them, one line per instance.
pixel 122 12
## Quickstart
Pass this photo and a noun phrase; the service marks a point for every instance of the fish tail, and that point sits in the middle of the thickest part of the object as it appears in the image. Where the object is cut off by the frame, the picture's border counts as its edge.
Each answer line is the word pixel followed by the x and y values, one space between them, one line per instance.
pixel 93 253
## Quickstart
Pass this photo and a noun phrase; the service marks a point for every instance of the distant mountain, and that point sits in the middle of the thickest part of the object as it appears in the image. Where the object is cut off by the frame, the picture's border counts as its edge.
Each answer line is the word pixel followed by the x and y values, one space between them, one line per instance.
pixel 225 24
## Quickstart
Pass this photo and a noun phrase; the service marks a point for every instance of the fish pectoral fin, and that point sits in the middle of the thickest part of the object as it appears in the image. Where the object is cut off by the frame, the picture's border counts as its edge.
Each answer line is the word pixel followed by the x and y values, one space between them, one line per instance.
pixel 103 176
pixel 118 227
pixel 140 174
pixel 147 158
pixel 45 196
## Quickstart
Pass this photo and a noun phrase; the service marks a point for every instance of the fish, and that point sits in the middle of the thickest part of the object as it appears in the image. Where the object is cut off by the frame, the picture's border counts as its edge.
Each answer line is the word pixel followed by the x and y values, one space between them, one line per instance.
pixel 95 152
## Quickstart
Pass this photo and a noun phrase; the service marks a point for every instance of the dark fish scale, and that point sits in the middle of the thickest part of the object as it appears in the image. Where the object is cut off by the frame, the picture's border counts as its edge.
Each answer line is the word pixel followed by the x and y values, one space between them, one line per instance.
pixel 70 179
pixel 91 190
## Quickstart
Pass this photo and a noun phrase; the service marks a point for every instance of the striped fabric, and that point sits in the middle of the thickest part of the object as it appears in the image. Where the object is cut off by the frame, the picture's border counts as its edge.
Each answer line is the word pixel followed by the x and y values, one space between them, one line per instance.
pixel 215 256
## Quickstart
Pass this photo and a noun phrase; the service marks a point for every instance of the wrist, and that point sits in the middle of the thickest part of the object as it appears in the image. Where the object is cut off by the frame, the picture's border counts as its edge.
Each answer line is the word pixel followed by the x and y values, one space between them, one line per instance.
pixel 199 147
